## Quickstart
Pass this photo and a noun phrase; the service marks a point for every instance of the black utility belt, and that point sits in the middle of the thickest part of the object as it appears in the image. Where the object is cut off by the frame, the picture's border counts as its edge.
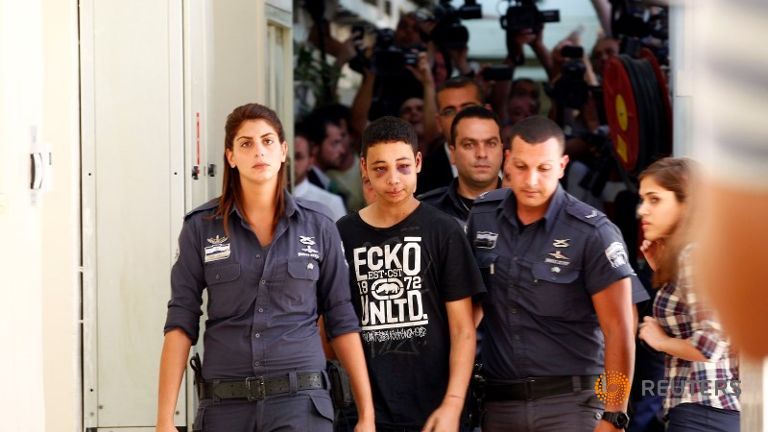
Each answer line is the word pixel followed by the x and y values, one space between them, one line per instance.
pixel 258 388
pixel 536 388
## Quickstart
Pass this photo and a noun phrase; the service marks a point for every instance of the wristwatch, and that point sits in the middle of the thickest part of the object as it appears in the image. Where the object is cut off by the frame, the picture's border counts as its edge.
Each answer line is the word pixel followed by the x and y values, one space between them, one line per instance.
pixel 619 420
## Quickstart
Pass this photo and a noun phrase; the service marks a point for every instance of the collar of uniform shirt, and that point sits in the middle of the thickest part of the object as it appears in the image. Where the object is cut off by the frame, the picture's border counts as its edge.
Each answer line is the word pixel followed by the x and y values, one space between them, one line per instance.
pixel 453 192
pixel 290 206
pixel 509 208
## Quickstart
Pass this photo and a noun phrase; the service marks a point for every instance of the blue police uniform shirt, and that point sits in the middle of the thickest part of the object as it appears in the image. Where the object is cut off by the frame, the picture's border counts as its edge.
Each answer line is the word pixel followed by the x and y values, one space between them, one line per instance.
pixel 448 200
pixel 263 302
pixel 539 317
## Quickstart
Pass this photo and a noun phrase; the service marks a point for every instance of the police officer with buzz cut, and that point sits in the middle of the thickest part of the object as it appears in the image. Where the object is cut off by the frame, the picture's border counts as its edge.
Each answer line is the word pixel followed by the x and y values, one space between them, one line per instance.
pixel 559 344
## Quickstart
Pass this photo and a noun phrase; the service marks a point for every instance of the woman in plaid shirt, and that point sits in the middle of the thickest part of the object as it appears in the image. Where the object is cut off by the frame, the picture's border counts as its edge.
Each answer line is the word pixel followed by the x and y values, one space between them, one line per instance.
pixel 701 385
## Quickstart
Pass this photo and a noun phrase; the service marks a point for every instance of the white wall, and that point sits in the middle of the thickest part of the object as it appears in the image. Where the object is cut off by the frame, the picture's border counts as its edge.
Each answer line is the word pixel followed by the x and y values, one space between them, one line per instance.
pixel 21 330
pixel 61 218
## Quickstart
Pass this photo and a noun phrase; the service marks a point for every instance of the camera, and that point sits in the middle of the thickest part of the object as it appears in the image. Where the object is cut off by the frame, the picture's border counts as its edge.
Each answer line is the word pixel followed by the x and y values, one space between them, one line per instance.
pixel 521 15
pixel 525 15
pixel 389 60
pixel 570 90
pixel 449 33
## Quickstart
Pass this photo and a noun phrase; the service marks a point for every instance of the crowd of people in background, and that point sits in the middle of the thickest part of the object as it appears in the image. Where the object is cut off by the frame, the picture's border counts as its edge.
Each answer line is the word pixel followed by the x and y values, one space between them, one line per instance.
pixel 463 123
pixel 472 195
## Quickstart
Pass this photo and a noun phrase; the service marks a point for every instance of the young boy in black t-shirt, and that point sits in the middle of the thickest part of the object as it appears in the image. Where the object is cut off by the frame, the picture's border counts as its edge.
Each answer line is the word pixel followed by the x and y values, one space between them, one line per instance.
pixel 412 277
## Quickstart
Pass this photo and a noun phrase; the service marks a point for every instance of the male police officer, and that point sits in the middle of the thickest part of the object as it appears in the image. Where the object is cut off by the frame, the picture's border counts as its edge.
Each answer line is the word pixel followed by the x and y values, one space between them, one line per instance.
pixel 557 274
pixel 476 150
pixel 453 96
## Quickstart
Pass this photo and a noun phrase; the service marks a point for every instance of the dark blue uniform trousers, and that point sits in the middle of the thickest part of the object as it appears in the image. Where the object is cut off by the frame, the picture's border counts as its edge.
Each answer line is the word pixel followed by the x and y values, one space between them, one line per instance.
pixel 303 411
pixel 572 412
pixel 691 417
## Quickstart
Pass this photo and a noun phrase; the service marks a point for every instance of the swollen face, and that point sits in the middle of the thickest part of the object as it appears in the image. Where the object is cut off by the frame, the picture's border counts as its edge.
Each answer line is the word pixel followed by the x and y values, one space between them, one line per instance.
pixel 533 172
pixel 257 152
pixel 659 210
pixel 392 169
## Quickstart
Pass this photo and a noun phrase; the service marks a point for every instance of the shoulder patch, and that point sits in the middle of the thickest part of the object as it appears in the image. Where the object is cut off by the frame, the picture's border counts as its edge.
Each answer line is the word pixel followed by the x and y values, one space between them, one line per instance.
pixel 314 207
pixel 584 212
pixel 433 194
pixel 210 205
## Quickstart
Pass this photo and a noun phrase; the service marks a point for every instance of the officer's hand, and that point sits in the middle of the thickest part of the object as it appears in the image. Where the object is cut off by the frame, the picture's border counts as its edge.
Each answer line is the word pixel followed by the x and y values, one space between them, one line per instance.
pixel 446 417
pixel 651 251
pixel 365 426
pixel 652 333
pixel 604 426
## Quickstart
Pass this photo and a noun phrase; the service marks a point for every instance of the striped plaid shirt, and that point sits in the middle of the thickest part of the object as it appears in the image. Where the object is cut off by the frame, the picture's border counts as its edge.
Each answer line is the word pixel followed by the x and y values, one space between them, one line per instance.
pixel 682 315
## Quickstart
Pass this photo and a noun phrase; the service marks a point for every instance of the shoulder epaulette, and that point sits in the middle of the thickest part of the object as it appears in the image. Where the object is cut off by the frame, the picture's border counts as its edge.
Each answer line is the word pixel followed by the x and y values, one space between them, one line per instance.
pixel 584 212
pixel 494 196
pixel 315 207
pixel 210 205
pixel 434 193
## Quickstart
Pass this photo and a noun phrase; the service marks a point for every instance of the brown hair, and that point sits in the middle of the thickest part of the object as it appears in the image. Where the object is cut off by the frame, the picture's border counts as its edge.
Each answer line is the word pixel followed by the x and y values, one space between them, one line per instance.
pixel 675 175
pixel 231 191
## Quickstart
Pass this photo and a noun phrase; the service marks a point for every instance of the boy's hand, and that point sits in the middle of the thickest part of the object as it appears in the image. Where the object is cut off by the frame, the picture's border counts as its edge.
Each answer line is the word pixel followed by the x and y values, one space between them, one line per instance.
pixel 446 417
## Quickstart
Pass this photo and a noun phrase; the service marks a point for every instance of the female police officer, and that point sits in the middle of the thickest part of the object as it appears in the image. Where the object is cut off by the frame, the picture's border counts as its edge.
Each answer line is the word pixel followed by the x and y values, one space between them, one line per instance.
pixel 271 265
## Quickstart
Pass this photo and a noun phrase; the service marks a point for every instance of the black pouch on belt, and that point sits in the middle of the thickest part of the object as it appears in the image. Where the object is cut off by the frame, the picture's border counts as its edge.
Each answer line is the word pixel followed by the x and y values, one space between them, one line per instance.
pixel 341 391
pixel 197 367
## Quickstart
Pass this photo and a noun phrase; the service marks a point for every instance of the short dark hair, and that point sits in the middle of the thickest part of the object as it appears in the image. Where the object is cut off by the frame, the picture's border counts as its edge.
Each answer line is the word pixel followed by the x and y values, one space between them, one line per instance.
pixel 461 82
pixel 478 112
pixel 316 123
pixel 389 129
pixel 537 129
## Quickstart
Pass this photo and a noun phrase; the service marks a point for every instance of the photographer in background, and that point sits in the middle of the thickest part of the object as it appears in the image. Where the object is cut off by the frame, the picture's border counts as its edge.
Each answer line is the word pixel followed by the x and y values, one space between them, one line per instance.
pixel 389 81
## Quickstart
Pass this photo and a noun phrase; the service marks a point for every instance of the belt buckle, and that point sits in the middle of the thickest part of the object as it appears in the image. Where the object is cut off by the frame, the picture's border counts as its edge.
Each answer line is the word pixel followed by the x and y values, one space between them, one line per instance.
pixel 529 396
pixel 256 388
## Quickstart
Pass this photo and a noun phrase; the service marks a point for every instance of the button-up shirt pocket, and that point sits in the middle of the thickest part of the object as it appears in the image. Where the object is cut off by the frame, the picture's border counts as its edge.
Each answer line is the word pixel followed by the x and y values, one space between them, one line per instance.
pixel 297 293
pixel 496 275
pixel 226 296
pixel 556 293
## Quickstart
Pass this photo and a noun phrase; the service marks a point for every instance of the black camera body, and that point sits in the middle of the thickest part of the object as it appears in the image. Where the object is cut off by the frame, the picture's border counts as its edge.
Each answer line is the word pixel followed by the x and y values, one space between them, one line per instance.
pixel 525 15
pixel 389 60
pixel 449 33
pixel 570 90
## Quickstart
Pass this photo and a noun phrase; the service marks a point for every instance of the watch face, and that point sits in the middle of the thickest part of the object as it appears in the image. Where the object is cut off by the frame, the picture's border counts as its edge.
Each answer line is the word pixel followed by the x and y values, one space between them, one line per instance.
pixel 622 420
pixel 618 419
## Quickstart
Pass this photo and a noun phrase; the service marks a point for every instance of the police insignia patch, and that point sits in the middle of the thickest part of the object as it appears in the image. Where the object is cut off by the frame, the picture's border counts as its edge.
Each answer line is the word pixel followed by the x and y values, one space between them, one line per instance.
pixel 616 255
pixel 217 252
pixel 308 250
pixel 486 239
pixel 217 240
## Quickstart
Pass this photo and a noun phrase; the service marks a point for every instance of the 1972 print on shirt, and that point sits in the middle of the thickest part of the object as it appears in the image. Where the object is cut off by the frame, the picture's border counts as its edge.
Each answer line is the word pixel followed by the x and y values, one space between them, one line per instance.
pixel 389 283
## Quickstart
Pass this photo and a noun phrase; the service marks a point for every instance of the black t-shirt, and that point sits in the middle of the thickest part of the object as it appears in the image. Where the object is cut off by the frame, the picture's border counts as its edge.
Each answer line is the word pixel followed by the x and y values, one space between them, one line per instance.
pixel 401 277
